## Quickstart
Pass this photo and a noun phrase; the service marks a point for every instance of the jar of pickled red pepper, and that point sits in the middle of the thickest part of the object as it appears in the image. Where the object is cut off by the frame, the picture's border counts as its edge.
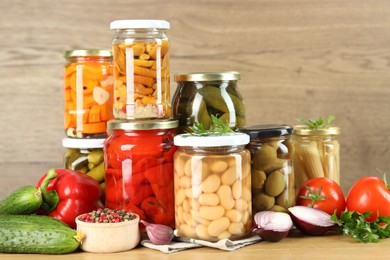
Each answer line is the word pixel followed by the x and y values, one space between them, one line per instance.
pixel 141 69
pixel 273 185
pixel 316 153
pixel 139 168
pixel 88 93
pixel 200 95
pixel 212 187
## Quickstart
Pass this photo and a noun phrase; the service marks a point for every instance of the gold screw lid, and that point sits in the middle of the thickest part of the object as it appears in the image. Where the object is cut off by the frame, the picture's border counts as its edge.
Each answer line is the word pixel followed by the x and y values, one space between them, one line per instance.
pixel 130 125
pixel 207 76
pixel 303 130
pixel 88 53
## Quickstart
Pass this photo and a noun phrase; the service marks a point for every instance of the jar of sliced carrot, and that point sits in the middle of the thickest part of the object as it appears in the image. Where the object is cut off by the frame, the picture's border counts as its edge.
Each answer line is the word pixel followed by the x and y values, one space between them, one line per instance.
pixel 141 69
pixel 88 88
pixel 138 157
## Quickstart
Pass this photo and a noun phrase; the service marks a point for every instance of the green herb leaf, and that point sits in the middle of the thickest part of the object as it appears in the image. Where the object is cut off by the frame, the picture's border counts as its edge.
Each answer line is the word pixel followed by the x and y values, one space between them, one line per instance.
pixel 354 224
pixel 314 124
pixel 217 128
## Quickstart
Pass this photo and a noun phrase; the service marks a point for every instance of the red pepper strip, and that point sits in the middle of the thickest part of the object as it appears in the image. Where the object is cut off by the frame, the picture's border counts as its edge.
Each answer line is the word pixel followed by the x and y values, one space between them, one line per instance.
pixel 114 189
pixel 154 210
pixel 168 155
pixel 145 163
pixel 137 194
pixel 69 194
pixel 165 194
pixel 160 174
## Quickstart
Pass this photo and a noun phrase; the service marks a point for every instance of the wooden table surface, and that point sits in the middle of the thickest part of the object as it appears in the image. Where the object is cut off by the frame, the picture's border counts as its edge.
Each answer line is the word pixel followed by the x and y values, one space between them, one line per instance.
pixel 332 246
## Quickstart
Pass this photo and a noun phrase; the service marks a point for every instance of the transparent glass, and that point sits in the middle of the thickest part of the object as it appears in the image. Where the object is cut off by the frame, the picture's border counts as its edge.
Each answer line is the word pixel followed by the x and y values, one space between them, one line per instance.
pixel 141 73
pixel 316 156
pixel 139 173
pixel 196 101
pixel 273 184
pixel 88 96
pixel 212 192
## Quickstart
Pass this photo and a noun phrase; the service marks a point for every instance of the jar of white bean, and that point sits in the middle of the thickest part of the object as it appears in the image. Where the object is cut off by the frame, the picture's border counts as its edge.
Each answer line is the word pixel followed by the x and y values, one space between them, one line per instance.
pixel 212 179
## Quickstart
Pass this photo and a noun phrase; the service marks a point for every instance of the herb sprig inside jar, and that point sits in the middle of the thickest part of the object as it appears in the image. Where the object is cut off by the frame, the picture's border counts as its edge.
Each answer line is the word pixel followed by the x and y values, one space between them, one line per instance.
pixel 316 150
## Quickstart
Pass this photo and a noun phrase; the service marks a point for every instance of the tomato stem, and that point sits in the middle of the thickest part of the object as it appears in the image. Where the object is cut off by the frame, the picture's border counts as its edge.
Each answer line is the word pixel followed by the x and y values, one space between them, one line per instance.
pixel 313 196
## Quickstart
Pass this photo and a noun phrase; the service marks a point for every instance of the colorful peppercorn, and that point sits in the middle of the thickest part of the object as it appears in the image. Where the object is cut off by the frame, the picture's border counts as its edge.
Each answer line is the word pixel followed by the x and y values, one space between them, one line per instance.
pixel 107 215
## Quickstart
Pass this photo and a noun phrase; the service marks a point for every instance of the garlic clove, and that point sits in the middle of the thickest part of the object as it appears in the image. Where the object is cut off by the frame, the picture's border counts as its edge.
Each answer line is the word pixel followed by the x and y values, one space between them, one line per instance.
pixel 158 234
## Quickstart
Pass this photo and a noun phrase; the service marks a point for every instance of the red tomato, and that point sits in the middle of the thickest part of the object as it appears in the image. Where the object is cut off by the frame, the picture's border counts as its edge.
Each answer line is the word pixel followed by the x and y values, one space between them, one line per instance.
pixel 369 194
pixel 322 193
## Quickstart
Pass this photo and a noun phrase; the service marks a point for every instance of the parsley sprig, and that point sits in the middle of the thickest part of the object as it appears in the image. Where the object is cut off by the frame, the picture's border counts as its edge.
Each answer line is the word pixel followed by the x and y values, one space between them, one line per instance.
pixel 217 128
pixel 354 224
pixel 314 124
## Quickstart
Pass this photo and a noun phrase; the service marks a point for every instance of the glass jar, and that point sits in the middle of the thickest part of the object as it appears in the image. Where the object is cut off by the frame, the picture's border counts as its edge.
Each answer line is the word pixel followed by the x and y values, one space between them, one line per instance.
pixel 200 95
pixel 86 156
pixel 141 69
pixel 316 154
pixel 273 185
pixel 88 89
pixel 212 187
pixel 139 168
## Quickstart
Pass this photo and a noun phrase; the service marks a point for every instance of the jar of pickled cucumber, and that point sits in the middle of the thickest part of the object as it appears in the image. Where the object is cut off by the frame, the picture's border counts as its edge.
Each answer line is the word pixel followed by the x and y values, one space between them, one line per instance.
pixel 212 187
pixel 316 153
pixel 273 185
pixel 200 95
pixel 141 69
pixel 88 93
pixel 139 168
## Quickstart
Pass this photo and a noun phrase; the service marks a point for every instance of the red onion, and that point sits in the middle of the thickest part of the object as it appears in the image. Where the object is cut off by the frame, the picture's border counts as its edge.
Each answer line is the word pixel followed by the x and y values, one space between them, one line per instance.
pixel 311 221
pixel 272 226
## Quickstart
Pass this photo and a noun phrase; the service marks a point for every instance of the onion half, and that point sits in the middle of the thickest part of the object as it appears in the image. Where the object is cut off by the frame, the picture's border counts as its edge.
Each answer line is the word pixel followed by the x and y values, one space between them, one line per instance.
pixel 272 226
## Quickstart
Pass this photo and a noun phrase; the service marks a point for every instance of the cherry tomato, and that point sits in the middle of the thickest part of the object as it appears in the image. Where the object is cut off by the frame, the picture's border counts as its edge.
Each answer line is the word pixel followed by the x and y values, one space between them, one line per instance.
pixel 322 193
pixel 369 194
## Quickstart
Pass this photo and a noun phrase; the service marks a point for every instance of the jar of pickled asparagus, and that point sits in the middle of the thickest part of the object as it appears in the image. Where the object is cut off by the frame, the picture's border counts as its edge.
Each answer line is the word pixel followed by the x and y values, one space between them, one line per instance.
pixel 138 155
pixel 212 187
pixel 141 69
pixel 88 87
pixel 200 95
pixel 273 185
pixel 316 153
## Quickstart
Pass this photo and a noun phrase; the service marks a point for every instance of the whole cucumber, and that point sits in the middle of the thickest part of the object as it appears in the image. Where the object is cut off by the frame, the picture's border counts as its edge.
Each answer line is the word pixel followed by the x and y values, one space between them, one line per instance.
pixel 33 234
pixel 25 200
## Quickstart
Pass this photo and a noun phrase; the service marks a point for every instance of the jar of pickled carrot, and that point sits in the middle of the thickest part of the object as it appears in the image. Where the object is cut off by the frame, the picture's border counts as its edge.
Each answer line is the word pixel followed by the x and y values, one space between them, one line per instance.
pixel 141 69
pixel 88 87
pixel 138 157
pixel 316 153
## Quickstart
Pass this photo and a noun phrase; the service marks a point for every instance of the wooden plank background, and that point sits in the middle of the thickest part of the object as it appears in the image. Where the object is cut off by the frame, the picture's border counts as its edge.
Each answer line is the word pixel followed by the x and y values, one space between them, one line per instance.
pixel 298 59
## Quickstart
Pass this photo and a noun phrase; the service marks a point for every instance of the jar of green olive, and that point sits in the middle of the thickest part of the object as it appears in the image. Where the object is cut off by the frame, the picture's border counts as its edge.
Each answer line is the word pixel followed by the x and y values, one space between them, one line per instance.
pixel 212 187
pixel 273 185
pixel 200 95
pixel 316 153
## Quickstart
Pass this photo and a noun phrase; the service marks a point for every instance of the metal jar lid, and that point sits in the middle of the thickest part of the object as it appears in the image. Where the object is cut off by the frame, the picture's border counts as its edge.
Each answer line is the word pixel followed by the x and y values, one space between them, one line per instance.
pixel 211 141
pixel 80 143
pixel 266 131
pixel 139 24
pixel 88 53
pixel 207 76
pixel 303 130
pixel 141 124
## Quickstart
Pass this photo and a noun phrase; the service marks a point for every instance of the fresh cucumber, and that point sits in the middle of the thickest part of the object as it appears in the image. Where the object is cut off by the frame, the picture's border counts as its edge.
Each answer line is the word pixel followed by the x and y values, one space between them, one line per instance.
pixel 25 200
pixel 33 234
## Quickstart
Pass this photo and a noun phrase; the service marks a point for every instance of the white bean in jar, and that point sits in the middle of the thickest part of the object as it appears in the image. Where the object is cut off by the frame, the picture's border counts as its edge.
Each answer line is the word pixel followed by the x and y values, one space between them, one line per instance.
pixel 212 193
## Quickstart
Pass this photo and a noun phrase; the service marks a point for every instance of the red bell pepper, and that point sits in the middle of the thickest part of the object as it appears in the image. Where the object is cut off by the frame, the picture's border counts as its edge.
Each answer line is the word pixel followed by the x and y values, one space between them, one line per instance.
pixel 67 194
